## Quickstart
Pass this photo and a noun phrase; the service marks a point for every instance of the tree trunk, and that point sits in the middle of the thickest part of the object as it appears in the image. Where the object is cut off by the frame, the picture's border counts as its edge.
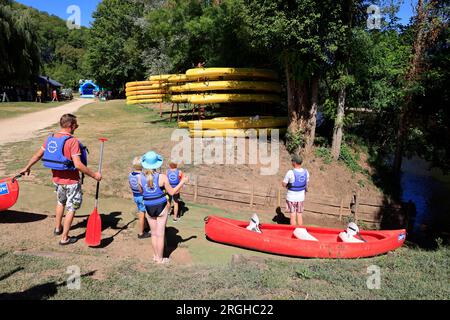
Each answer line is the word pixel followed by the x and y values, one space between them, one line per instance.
pixel 302 110
pixel 338 125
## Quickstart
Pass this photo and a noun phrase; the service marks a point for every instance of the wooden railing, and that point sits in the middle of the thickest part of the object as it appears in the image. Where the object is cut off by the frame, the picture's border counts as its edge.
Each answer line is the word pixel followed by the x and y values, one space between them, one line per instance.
pixel 368 211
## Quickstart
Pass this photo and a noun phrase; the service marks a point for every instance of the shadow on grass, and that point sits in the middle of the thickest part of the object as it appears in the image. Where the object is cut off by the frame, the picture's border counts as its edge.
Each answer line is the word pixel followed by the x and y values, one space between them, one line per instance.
pixel 173 240
pixel 39 292
pixel 11 216
pixel 9 274
pixel 109 221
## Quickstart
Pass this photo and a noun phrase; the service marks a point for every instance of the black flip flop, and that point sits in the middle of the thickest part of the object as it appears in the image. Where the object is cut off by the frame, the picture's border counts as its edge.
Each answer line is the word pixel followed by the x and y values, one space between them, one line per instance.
pixel 70 240
pixel 57 233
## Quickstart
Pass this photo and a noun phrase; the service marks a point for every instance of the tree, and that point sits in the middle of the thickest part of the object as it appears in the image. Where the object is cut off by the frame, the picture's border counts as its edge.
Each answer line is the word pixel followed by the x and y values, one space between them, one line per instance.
pixel 19 54
pixel 304 36
pixel 427 26
pixel 114 52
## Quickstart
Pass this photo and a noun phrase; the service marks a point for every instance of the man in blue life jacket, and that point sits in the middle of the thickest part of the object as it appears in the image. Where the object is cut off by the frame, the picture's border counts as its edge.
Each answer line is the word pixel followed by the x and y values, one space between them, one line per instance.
pixel 66 157
pixel 296 181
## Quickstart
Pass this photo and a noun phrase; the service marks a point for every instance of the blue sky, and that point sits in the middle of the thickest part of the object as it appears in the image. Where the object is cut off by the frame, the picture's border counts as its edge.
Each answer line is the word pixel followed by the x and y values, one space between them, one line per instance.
pixel 59 8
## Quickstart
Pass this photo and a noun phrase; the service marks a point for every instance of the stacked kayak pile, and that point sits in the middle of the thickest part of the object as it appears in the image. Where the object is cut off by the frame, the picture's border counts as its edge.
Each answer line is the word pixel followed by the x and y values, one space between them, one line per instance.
pixel 142 92
pixel 202 86
pixel 225 85
pixel 235 126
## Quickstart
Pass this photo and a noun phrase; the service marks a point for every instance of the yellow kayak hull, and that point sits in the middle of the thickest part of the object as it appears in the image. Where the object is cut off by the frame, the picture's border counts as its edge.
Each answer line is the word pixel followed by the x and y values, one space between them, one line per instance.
pixel 146 97
pixel 238 133
pixel 146 87
pixel 141 83
pixel 179 98
pixel 129 102
pixel 144 92
pixel 232 97
pixel 226 86
pixel 214 73
pixel 238 123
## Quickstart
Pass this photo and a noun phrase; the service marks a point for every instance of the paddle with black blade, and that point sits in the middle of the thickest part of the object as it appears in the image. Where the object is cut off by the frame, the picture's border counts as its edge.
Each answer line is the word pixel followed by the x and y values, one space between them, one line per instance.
pixel 94 225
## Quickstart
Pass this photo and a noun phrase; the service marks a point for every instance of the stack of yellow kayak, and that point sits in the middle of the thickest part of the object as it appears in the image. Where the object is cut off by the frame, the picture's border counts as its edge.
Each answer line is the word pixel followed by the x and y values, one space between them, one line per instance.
pixel 225 85
pixel 234 126
pixel 141 92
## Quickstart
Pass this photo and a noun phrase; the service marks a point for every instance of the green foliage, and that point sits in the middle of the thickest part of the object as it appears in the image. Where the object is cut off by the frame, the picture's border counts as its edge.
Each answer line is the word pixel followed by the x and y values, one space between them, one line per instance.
pixel 19 53
pixel 325 154
pixel 349 158
pixel 114 52
pixel 294 141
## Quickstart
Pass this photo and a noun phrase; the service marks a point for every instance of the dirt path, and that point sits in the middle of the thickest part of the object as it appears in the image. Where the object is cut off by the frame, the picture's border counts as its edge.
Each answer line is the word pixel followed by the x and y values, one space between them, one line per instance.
pixel 24 127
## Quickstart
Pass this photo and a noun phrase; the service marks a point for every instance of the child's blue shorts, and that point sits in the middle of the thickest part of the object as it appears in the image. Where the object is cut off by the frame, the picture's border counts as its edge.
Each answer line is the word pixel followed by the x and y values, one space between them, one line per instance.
pixel 139 200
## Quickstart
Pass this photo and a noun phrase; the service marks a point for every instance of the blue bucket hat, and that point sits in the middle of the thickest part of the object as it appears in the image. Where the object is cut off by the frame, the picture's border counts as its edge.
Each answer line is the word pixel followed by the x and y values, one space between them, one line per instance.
pixel 151 160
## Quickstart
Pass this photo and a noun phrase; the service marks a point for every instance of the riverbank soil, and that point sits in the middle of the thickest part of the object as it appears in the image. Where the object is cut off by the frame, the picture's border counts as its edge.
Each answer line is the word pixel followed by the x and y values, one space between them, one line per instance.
pixel 33 265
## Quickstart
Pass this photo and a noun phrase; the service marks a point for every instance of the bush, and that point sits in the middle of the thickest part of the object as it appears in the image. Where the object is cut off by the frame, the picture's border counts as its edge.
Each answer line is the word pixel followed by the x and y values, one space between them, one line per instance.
pixel 349 159
pixel 325 154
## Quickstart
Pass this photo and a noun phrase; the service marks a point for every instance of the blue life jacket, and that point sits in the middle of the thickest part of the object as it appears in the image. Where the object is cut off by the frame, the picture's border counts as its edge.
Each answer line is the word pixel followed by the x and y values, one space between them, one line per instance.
pixel 300 182
pixel 152 196
pixel 54 154
pixel 133 179
pixel 174 177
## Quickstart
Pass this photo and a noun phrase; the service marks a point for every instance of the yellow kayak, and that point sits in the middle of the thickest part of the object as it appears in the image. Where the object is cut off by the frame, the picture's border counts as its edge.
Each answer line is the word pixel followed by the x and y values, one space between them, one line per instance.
pixel 227 85
pixel 143 101
pixel 141 83
pixel 238 123
pixel 232 97
pixel 144 92
pixel 146 97
pixel 178 78
pixel 183 124
pixel 149 87
pixel 161 77
pixel 208 73
pixel 179 98
pixel 239 133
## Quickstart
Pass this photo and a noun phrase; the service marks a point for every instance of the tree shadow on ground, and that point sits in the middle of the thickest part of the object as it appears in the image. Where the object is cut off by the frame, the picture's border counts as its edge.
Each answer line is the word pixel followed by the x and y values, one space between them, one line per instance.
pixel 11 216
pixel 280 218
pixel 39 292
pixel 109 221
pixel 173 240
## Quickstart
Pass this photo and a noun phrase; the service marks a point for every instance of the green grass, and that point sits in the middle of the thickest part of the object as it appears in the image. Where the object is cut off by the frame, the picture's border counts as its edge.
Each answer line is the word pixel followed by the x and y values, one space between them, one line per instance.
pixel 408 273
pixel 14 109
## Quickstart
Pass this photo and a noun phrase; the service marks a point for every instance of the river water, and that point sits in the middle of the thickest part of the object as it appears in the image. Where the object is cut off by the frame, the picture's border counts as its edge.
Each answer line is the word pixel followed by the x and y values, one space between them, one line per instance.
pixel 429 190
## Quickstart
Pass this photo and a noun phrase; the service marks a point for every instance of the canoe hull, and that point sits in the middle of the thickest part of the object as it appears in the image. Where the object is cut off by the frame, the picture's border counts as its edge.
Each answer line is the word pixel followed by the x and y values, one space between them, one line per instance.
pixel 279 239
pixel 9 192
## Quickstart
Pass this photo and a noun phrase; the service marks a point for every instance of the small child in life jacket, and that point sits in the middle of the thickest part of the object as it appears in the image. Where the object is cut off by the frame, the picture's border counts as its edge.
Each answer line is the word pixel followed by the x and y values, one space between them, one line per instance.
pixel 134 180
pixel 174 175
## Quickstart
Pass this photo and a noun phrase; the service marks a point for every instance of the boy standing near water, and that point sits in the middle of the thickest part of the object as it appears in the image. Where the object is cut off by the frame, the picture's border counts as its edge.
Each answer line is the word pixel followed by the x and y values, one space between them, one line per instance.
pixel 296 181
pixel 134 179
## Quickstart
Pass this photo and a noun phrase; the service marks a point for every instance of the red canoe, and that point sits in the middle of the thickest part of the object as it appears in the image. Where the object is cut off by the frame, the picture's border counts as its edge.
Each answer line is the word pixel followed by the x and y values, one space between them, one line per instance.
pixel 279 239
pixel 9 192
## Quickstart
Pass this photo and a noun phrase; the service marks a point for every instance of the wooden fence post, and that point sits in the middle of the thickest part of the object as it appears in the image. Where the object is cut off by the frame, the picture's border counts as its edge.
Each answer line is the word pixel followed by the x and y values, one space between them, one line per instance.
pixel 356 206
pixel 196 189
pixel 279 198
pixel 340 209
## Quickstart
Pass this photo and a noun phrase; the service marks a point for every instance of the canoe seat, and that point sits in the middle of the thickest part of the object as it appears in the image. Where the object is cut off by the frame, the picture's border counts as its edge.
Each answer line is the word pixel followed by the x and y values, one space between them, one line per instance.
pixel 303 234
pixel 345 237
